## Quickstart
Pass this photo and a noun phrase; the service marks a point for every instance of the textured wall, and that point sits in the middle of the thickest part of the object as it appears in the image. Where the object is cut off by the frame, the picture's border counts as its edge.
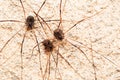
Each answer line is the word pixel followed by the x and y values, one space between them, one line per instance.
pixel 89 51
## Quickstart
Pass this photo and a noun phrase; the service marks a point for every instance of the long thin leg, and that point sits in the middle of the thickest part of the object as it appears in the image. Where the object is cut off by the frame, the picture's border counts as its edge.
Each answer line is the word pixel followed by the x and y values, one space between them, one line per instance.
pixel 60 14
pixel 49 65
pixel 39 55
pixel 11 21
pixel 56 63
pixel 46 69
pixel 94 67
pixel 9 40
pixel 99 53
pixel 22 55
pixel 70 65
pixel 23 9
pixel 84 19
pixel 80 51
pixel 41 6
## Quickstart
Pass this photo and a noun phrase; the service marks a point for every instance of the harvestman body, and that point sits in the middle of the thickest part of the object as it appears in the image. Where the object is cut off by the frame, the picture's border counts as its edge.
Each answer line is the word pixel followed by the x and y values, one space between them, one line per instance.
pixel 59 35
pixel 30 22
pixel 48 45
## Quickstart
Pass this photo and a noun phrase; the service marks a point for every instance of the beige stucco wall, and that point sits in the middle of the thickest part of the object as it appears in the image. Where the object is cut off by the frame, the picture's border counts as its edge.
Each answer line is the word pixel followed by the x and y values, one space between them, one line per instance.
pixel 100 32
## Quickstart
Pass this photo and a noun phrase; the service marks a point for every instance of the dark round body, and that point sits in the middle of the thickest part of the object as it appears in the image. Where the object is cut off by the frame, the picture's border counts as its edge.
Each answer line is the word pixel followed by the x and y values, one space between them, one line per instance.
pixel 48 45
pixel 30 22
pixel 58 34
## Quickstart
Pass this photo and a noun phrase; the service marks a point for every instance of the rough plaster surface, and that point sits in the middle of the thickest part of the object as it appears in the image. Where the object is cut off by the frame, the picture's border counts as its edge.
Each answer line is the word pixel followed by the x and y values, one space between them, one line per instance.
pixel 99 38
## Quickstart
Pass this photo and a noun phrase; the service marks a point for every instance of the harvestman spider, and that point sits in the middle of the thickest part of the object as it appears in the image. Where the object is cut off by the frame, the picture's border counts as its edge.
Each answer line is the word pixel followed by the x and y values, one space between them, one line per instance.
pixel 30 26
pixel 60 40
